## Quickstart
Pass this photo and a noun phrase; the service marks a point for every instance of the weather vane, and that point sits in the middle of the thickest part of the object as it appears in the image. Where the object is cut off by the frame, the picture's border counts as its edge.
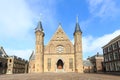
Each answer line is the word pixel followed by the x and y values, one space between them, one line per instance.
pixel 40 18
pixel 77 19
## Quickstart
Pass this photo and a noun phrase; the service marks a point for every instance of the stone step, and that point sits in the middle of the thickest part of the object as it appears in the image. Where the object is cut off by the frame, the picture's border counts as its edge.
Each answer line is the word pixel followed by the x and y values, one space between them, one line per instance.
pixel 59 70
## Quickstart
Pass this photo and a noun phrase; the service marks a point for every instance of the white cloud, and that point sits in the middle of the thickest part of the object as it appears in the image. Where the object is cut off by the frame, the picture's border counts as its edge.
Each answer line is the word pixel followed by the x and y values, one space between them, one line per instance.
pixel 103 8
pixel 47 11
pixel 15 18
pixel 93 45
pixel 25 54
pixel 18 18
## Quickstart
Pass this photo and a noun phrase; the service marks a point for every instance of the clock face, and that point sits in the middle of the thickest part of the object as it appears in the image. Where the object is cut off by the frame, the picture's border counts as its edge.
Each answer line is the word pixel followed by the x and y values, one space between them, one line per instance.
pixel 60 49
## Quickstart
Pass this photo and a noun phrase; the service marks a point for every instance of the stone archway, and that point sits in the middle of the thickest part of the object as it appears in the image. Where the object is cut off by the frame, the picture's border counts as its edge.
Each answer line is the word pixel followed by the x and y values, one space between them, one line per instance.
pixel 60 64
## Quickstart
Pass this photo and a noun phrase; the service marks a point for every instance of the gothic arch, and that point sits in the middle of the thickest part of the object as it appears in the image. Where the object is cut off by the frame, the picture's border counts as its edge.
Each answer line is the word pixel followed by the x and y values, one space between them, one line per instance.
pixel 60 64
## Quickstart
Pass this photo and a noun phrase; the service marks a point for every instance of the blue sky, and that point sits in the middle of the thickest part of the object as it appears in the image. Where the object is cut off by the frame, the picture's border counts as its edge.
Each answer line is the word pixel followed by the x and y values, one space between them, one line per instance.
pixel 98 19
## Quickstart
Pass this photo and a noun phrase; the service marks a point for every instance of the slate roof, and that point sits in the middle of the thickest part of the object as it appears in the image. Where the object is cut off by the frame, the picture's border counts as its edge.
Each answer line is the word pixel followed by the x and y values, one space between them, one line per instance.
pixel 39 27
pixel 77 27
pixel 2 52
pixel 32 57
pixel 87 63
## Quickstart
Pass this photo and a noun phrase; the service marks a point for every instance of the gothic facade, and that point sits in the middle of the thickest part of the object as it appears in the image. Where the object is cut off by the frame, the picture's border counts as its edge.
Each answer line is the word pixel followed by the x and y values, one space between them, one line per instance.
pixel 60 54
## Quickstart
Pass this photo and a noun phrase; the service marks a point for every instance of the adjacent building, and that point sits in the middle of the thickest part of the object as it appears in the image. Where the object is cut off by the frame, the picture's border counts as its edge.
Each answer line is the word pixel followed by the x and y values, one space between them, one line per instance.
pixel 111 53
pixel 32 63
pixel 12 64
pixel 97 62
pixel 87 66
pixel 60 54
pixel 16 65
pixel 3 61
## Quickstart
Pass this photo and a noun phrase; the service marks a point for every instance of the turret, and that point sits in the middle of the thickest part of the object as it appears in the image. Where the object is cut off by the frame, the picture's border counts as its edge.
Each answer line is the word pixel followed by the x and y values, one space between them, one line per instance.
pixel 78 48
pixel 39 52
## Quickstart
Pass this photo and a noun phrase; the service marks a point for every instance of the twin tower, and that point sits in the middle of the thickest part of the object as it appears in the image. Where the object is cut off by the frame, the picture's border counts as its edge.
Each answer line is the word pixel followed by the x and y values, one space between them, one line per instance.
pixel 60 54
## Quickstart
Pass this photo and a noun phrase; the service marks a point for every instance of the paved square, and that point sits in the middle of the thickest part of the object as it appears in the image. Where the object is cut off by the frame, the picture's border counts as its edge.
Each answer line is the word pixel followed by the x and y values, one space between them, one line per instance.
pixel 59 76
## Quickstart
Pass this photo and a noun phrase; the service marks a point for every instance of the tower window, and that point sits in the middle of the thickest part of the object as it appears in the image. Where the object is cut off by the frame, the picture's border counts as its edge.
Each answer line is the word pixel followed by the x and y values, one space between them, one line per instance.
pixel 49 63
pixel 70 63
pixel 10 60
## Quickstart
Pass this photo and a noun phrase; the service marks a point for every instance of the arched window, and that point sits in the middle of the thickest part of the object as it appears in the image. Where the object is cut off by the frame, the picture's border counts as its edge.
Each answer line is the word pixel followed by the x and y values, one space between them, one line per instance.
pixel 10 60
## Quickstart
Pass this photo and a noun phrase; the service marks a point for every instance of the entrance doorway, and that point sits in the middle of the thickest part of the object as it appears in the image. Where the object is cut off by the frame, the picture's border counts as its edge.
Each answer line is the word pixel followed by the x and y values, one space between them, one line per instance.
pixel 60 64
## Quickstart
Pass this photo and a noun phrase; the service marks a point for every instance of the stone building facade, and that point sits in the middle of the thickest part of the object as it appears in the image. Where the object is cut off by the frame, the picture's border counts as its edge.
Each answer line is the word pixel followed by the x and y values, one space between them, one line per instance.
pixel 60 54
pixel 111 52
pixel 87 66
pixel 16 65
pixel 97 62
pixel 3 61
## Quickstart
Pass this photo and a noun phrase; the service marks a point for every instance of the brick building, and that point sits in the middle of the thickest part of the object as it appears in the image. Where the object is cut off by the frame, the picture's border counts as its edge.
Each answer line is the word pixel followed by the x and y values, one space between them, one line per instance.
pixel 16 65
pixel 111 52
pixel 97 62
pixel 87 66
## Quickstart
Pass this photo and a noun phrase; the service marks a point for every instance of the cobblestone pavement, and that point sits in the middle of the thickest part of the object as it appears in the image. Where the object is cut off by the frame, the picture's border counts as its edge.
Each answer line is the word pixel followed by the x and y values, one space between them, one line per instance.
pixel 59 76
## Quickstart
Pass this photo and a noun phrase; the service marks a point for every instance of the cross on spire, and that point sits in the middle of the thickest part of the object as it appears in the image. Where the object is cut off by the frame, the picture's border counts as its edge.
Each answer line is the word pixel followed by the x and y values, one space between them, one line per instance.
pixel 77 19
pixel 77 26
pixel 40 18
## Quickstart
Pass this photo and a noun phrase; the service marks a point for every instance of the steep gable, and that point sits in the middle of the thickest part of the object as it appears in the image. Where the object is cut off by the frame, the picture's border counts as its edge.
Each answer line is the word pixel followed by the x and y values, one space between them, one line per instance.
pixel 59 34
pixel 59 39
pixel 3 53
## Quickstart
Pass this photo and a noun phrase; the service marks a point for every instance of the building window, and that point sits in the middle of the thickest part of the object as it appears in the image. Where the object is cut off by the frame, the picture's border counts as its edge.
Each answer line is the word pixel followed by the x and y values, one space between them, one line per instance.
pixel 71 63
pixel 111 56
pixel 116 68
pixel 60 49
pixel 9 65
pixel 110 48
pixel 105 50
pixel 9 70
pixel 49 63
pixel 10 60
pixel 1 64
pixel 106 58
pixel 57 38
pixel 115 46
pixel 119 44
pixel 33 66
pixel 116 55
pixel 118 65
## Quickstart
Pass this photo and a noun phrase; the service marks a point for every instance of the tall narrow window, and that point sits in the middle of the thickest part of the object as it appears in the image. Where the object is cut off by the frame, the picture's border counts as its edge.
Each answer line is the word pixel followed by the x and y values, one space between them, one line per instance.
pixel 70 63
pixel 119 43
pixel 49 64
pixel 10 60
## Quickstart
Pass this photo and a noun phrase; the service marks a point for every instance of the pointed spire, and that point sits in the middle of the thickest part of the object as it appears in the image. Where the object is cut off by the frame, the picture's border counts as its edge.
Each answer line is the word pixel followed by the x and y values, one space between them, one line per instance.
pixel 59 25
pixel 77 26
pixel 77 19
pixel 39 27
pixel 32 57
